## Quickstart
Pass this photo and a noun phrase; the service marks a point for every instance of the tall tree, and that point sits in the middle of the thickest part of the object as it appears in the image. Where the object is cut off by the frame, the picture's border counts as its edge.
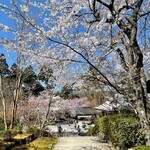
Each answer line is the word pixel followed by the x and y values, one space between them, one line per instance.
pixel 46 76
pixel 31 84
pixel 3 73
pixel 14 69
pixel 16 74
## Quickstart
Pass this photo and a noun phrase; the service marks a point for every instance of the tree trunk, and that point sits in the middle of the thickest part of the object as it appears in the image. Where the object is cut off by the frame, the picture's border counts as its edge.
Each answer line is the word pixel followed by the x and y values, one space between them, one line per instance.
pixel 137 80
pixel 13 115
pixel 3 103
pixel 143 120
pixel 46 116
pixel 15 102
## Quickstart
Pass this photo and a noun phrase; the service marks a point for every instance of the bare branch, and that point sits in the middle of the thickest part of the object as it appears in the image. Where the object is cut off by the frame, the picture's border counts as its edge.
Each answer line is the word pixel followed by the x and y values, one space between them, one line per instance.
pixel 122 59
pixel 103 3
pixel 130 20
pixel 144 14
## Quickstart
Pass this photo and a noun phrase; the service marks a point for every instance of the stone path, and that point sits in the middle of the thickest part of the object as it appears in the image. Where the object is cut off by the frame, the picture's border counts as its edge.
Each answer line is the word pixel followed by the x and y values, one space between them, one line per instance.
pixel 81 143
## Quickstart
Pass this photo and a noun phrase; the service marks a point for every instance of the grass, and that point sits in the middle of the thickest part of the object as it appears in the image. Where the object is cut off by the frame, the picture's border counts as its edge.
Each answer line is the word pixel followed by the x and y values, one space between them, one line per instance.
pixel 39 144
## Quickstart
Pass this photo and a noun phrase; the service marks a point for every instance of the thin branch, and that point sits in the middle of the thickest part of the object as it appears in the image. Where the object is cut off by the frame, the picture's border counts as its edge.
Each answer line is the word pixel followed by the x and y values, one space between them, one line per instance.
pixel 89 5
pixel 103 3
pixel 144 14
pixel 52 58
pixel 113 86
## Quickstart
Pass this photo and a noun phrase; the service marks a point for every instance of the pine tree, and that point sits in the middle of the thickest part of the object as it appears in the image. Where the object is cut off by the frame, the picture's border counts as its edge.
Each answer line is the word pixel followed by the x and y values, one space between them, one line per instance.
pixel 14 70
pixel 31 85
pixel 3 65
pixel 46 76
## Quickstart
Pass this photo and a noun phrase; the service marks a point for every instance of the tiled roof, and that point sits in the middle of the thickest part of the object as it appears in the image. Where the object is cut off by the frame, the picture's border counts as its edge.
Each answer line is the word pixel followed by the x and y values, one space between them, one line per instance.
pixel 84 111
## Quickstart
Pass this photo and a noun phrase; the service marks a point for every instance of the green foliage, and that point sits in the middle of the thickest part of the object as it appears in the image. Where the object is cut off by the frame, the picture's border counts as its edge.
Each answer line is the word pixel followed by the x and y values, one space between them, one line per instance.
pixel 37 131
pixel 31 82
pixel 127 110
pixel 68 92
pixel 29 76
pixel 3 65
pixel 39 144
pixel 125 132
pixel 142 147
pixel 33 130
pixel 14 70
pixel 2 127
pixel 122 131
pixel 37 88
pixel 9 134
pixel 93 131
pixel 46 76
pixel 6 145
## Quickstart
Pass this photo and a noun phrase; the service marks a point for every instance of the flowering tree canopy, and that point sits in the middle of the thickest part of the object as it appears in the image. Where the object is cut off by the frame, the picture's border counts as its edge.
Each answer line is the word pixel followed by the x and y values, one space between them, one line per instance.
pixel 78 32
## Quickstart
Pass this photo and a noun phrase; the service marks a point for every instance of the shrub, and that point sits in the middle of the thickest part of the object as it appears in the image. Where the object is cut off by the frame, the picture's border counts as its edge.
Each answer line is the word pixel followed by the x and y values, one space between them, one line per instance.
pixel 92 131
pixel 142 147
pixel 33 130
pixel 9 134
pixel 126 110
pixel 122 131
pixel 36 132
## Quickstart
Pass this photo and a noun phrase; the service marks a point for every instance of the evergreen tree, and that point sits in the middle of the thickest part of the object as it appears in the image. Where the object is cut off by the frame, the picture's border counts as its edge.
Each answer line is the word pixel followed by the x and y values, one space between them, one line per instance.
pixel 14 70
pixel 3 65
pixel 29 76
pixel 30 82
pixel 46 76
pixel 3 72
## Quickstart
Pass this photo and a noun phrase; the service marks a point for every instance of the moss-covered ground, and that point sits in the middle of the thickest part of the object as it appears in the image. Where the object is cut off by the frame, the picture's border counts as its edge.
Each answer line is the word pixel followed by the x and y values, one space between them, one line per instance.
pixel 21 136
pixel 39 144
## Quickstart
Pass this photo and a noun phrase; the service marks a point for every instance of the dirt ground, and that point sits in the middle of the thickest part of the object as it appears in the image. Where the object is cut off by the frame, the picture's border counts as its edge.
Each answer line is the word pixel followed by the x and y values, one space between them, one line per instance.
pixel 81 143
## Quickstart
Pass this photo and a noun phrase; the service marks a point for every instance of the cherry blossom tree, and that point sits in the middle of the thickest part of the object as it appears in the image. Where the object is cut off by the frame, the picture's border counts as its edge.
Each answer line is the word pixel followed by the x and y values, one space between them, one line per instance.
pixel 41 109
pixel 73 35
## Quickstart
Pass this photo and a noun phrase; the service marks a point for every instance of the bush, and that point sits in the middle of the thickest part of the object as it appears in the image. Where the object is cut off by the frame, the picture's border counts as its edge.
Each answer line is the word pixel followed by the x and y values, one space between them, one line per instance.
pixel 122 131
pixel 33 130
pixel 36 132
pixel 93 131
pixel 142 147
pixel 126 110
pixel 9 134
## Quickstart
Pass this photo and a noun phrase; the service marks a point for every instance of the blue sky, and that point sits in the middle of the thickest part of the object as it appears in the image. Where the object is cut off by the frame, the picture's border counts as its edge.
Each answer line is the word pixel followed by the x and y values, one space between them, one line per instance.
pixel 10 56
